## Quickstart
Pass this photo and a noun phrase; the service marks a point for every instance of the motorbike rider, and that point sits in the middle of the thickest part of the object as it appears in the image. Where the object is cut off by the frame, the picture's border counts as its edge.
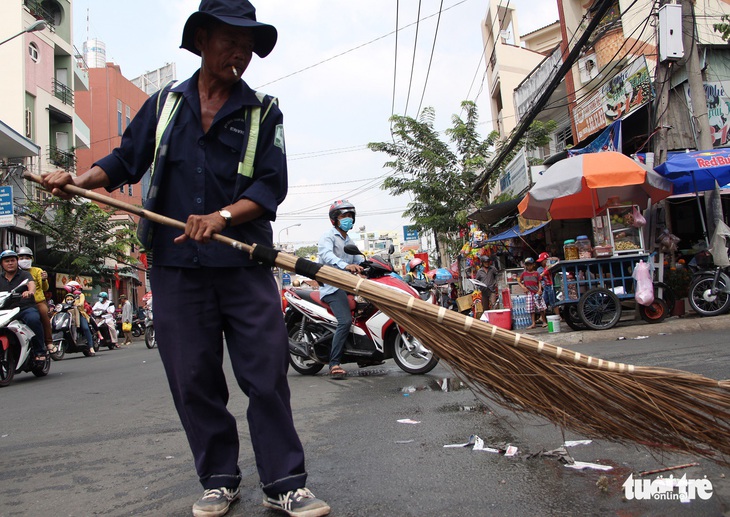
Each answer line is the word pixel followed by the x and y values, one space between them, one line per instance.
pixel 80 314
pixel 108 311
pixel 40 277
pixel 11 278
pixel 331 251
pixel 415 270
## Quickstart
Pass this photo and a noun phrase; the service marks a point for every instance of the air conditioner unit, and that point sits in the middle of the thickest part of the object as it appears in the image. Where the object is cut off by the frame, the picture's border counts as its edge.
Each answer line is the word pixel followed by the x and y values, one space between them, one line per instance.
pixel 588 68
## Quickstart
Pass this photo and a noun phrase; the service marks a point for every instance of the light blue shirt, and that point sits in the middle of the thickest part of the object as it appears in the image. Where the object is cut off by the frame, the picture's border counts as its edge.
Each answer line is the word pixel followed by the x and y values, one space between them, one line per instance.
pixel 331 252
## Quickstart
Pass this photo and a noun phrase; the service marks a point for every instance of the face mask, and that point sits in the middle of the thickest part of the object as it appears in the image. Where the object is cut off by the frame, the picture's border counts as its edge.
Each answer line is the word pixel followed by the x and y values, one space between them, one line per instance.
pixel 346 223
pixel 25 263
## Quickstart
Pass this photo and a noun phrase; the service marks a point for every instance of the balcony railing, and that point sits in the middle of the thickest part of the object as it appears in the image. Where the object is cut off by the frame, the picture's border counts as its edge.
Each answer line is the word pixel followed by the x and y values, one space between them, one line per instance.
pixel 64 159
pixel 35 7
pixel 63 92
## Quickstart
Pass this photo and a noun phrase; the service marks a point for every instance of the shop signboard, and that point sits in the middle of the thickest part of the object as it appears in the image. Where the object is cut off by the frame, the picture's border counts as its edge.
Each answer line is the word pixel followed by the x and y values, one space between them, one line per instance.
pixel 618 97
pixel 7 215
pixel 410 233
pixel 717 94
pixel 526 93
pixel 63 278
pixel 515 179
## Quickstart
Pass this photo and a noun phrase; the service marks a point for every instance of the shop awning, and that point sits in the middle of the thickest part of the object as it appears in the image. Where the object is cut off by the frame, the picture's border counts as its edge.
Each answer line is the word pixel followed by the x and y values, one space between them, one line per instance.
pixel 515 232
pixel 490 214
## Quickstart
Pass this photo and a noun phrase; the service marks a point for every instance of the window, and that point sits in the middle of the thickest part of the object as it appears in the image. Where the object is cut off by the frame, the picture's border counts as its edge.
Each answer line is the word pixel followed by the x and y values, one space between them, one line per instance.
pixel 130 189
pixel 120 130
pixel 33 51
pixel 127 118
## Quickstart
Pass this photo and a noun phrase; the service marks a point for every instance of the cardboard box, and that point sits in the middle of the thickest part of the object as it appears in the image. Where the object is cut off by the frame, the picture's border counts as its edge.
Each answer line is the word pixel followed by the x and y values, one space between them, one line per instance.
pixel 464 303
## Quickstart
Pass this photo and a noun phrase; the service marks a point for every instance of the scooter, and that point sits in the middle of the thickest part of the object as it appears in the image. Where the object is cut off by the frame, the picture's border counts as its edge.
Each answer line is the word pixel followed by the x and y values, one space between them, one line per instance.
pixel 103 329
pixel 66 336
pixel 373 338
pixel 149 330
pixel 16 353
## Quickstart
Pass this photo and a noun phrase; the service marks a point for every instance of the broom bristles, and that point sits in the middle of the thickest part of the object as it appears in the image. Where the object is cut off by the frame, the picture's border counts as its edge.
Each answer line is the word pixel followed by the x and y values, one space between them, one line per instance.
pixel 655 407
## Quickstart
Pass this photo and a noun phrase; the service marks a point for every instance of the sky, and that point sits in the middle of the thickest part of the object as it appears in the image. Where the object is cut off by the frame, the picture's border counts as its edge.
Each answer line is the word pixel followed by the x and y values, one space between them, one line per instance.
pixel 339 76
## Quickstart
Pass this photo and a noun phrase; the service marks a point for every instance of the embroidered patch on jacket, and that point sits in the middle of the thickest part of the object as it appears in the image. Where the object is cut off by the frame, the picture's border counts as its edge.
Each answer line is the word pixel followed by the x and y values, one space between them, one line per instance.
pixel 279 138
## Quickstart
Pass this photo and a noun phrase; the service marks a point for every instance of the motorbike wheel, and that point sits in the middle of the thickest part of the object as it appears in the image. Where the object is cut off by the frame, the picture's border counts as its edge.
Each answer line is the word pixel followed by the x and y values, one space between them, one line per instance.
pixel 136 331
pixel 7 367
pixel 61 346
pixel 42 370
pixel 300 364
pixel 705 303
pixel 654 313
pixel 149 337
pixel 569 312
pixel 411 356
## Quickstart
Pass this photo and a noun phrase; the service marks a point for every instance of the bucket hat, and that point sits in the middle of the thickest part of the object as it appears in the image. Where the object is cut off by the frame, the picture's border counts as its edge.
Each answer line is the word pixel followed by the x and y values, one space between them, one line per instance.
pixel 239 13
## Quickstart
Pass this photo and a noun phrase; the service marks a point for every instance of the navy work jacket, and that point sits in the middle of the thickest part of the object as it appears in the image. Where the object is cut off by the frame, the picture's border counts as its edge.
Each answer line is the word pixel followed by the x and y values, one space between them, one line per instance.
pixel 199 172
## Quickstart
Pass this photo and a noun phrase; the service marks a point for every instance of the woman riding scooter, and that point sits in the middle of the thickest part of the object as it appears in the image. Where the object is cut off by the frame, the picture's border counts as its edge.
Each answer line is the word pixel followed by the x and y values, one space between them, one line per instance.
pixel 107 313
pixel 82 318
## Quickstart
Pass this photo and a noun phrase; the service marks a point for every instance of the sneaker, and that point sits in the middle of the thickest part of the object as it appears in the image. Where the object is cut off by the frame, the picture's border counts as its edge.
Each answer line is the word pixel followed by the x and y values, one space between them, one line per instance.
pixel 215 502
pixel 298 503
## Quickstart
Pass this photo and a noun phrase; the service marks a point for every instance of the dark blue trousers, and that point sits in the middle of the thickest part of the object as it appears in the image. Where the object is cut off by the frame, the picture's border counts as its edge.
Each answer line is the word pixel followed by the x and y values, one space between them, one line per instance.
pixel 194 310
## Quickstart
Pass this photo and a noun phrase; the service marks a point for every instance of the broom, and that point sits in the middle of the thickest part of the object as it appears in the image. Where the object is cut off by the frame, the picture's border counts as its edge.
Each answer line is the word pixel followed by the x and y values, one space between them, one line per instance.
pixel 655 407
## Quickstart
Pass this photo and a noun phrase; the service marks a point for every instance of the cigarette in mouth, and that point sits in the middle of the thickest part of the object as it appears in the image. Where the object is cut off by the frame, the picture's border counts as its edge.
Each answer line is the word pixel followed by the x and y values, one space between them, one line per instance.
pixel 234 70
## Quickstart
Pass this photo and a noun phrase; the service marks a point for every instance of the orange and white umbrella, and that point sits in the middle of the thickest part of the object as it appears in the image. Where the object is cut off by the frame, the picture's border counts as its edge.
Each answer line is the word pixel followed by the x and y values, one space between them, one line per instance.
pixel 581 186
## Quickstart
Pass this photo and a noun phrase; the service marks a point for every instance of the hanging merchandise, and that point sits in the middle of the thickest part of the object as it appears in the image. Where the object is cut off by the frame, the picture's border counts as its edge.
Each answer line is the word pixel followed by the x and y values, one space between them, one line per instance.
pixel 644 294
pixel 639 220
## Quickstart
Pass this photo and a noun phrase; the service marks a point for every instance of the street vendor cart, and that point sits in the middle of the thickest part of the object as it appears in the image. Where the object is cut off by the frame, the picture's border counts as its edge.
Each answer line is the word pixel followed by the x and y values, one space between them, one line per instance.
pixel 593 288
pixel 596 278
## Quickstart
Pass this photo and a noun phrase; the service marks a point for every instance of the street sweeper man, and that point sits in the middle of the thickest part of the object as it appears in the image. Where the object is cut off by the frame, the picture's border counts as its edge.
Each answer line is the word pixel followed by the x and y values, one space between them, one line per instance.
pixel 216 148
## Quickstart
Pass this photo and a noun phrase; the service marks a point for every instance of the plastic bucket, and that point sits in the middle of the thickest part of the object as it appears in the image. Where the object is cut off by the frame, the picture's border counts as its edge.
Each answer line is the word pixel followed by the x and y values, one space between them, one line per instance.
pixel 501 318
pixel 553 323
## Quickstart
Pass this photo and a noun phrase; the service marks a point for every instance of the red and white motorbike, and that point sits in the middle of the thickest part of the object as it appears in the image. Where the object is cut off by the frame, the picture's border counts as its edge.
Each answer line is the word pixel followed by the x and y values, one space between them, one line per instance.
pixel 373 336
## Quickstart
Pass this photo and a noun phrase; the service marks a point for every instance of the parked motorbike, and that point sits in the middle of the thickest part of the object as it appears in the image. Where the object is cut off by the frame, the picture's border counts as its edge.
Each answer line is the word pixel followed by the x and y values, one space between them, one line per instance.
pixel 137 327
pixel 67 337
pixel 149 329
pixel 16 353
pixel 709 291
pixel 373 336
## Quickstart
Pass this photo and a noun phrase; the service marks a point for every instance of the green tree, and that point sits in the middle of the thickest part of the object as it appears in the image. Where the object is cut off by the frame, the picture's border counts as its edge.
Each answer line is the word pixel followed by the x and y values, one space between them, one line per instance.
pixel 306 252
pixel 723 27
pixel 438 175
pixel 81 235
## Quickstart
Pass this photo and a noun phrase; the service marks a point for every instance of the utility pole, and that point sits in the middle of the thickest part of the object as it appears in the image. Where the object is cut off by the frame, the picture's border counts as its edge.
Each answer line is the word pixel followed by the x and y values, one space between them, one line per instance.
pixel 700 119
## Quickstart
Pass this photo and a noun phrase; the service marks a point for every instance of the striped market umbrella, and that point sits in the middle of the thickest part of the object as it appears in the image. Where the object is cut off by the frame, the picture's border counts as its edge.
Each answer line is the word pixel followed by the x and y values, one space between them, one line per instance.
pixel 581 186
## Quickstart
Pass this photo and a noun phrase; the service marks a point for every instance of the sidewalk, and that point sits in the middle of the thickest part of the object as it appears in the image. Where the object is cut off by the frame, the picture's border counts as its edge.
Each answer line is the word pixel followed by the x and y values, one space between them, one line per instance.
pixel 629 328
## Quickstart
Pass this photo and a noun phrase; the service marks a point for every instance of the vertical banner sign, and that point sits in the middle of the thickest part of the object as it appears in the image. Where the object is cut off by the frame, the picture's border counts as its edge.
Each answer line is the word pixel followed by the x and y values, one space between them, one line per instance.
pixel 7 217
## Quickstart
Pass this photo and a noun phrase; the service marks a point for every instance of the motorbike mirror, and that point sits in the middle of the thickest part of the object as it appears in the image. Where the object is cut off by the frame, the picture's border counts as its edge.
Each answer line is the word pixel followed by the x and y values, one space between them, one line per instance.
pixel 391 249
pixel 351 249
pixel 21 284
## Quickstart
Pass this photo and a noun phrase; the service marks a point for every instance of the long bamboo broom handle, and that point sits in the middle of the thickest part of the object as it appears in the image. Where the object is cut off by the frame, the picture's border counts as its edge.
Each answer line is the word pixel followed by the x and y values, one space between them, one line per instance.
pixel 411 306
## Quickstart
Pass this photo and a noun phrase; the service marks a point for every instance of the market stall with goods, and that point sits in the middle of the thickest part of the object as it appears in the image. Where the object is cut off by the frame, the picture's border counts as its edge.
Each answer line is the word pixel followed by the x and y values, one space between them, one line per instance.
pixel 599 271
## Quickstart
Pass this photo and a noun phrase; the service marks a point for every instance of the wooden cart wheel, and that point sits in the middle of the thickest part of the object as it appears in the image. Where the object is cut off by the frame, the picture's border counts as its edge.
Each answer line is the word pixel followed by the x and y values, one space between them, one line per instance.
pixel 654 313
pixel 599 309
pixel 569 313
